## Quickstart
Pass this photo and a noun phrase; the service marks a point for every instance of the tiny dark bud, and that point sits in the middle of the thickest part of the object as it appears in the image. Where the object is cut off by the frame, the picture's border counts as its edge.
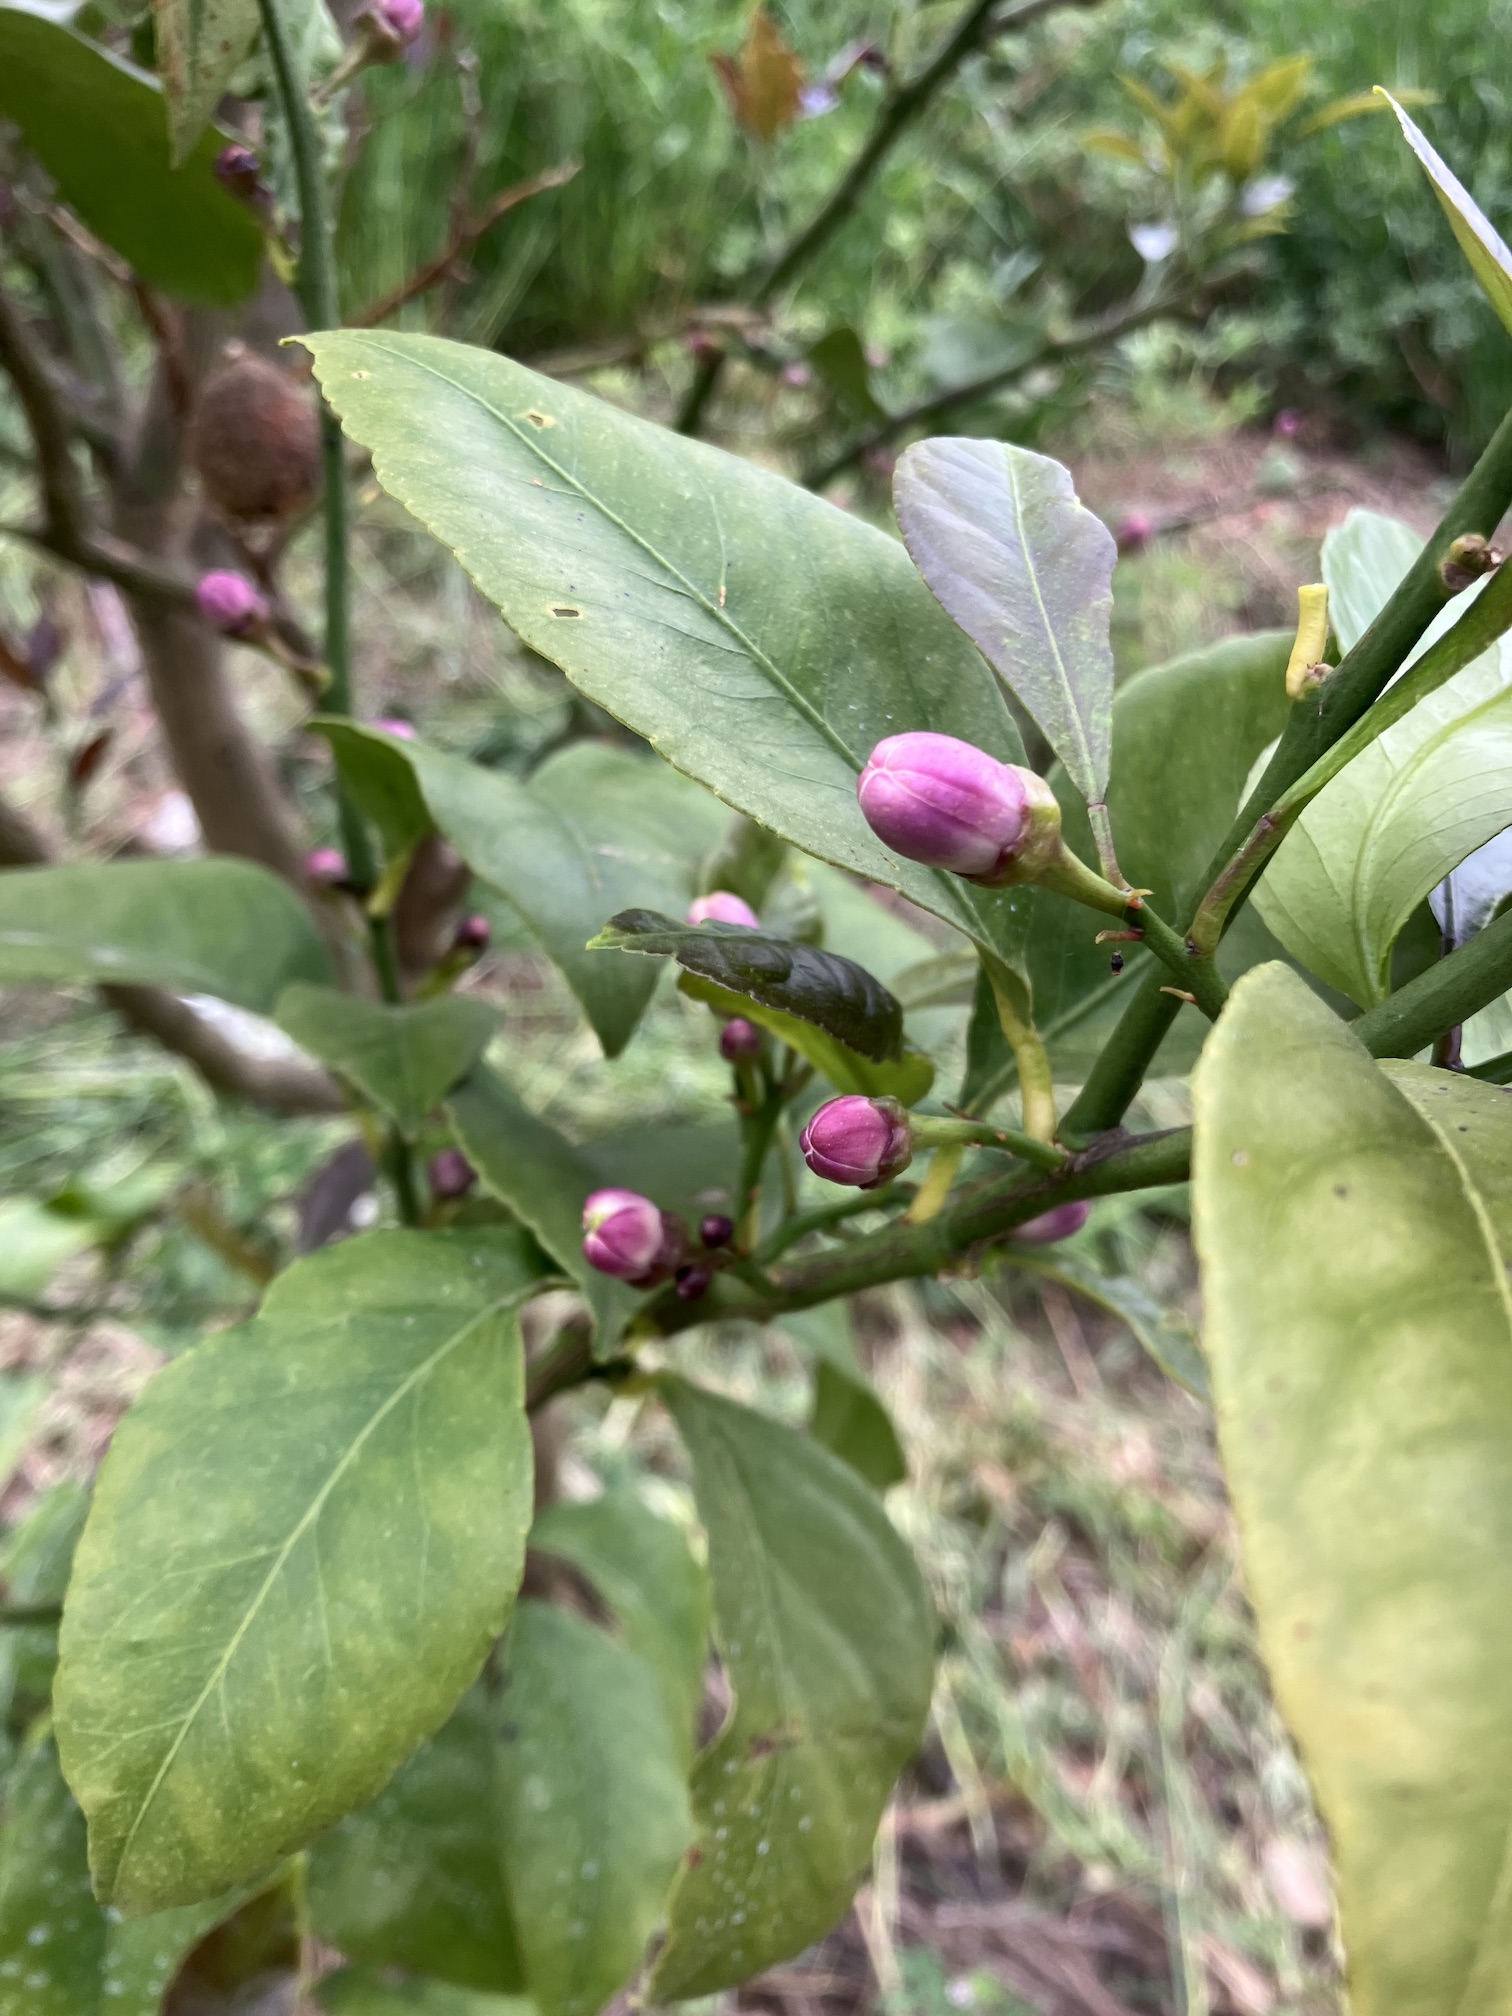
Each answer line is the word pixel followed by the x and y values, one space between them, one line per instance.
pixel 450 1174
pixel 716 1230
pixel 692 1281
pixel 739 1040
pixel 239 172
pixel 473 934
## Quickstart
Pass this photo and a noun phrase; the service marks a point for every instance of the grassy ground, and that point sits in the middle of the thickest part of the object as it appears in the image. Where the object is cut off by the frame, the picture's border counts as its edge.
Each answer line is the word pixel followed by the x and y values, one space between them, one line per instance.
pixel 1106 1816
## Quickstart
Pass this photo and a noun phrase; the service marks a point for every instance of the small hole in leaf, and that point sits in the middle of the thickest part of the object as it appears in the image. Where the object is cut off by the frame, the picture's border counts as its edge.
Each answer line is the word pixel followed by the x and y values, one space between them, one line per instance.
pixel 564 609
pixel 539 419
pixel 1240 1158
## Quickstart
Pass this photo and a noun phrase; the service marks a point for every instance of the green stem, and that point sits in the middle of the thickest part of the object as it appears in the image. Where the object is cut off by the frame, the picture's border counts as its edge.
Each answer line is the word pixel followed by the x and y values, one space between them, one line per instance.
pixel 1197 976
pixel 757 1128
pixel 822 1216
pixel 930 1132
pixel 1483 622
pixel 1036 1078
pixel 29 1616
pixel 1449 993
pixel 1315 725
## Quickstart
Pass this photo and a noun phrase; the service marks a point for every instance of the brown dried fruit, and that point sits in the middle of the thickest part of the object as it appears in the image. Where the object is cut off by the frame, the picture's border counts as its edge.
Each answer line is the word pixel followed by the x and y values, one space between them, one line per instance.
pixel 255 440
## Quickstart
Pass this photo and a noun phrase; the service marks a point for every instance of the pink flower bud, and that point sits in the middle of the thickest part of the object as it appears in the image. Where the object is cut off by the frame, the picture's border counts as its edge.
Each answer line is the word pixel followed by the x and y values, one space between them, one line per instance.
pixel 1288 423
pixel 1052 1225
pixel 716 1230
pixel 739 1040
pixel 625 1235
pixel 858 1141
pixel 239 172
pixel 720 907
pixel 402 18
pixel 395 724
pixel 229 603
pixel 327 865
pixel 936 800
pixel 450 1174
pixel 472 935
pixel 1134 532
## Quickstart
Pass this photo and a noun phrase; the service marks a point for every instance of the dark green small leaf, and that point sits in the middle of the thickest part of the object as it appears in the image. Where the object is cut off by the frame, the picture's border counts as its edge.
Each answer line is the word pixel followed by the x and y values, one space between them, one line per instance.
pixel 199 45
pixel 839 357
pixel 544 1180
pixel 656 1592
pixel 847 1417
pixel 594 1807
pixel 906 1078
pixel 405 1059
pixel 1027 571
pixel 304 1539
pixel 374 767
pixel 216 926
pixel 97 125
pixel 416 1880
pixel 826 1635
pixel 834 994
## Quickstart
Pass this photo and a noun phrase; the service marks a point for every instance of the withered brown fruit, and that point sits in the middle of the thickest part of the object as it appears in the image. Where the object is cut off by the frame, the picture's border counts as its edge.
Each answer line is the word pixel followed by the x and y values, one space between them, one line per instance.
pixel 255 440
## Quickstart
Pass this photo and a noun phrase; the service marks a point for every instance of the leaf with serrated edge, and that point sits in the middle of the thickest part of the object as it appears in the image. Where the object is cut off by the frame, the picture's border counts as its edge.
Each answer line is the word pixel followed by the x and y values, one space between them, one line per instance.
pixel 405 1058
pixel 759 638
pixel 1026 570
pixel 826 1634
pixel 218 926
pixel 304 1539
pixel 594 1812
pixel 1358 1334
pixel 1482 244
pixel 199 44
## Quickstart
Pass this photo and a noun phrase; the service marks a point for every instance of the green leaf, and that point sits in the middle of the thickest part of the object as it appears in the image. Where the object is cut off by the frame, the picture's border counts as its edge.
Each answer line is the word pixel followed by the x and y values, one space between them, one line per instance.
pixel 96 124
pixel 1390 827
pixel 761 639
pixel 44 1887
pixel 656 1592
pixel 847 1417
pixel 216 926
pixel 1358 1336
pixel 34 1568
pixel 826 1635
pixel 405 1059
pixel 35 1241
pixel 199 44
pixel 833 994
pixel 839 357
pixel 304 1539
pixel 356 1992
pixel 688 1167
pixel 1027 571
pixel 1185 738
pixel 907 1078
pixel 594 829
pixel 1156 1329
pixel 1476 1121
pixel 416 1880
pixel 594 1796
pixel 1479 240
pixel 374 767
pixel 545 1181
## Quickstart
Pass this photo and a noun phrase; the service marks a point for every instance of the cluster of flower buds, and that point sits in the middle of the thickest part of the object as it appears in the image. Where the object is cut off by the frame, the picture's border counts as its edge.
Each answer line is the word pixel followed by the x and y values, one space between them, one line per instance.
pixel 721 907
pixel 626 1235
pixel 947 804
pixel 231 604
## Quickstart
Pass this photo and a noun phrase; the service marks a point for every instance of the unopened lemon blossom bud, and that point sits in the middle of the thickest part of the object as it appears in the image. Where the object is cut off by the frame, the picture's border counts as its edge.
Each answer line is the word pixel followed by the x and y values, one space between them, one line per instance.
pixel 934 799
pixel 721 907
pixel 395 724
pixel 229 603
pixel 692 1281
pixel 716 1230
pixel 239 172
pixel 1052 1225
pixel 399 20
pixel 626 1235
pixel 326 865
pixel 862 1142
pixel 450 1174
pixel 472 935
pixel 739 1040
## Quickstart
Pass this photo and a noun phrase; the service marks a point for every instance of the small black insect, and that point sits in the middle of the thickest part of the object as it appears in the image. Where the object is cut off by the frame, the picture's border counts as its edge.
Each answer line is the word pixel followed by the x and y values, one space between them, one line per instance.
pixel 1115 964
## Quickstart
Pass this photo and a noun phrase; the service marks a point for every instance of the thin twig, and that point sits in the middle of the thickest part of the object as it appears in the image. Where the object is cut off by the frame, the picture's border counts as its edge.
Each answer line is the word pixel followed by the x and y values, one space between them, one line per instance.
pixel 49 426
pixel 462 236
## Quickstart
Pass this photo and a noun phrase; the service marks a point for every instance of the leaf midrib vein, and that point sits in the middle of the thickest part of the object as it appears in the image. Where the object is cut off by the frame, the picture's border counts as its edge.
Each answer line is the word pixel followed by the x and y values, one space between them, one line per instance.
pixel 307 1520
pixel 1032 571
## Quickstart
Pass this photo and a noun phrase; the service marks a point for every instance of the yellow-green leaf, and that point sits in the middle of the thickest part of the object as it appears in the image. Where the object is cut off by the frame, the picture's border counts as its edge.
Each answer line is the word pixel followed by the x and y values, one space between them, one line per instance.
pixel 1482 244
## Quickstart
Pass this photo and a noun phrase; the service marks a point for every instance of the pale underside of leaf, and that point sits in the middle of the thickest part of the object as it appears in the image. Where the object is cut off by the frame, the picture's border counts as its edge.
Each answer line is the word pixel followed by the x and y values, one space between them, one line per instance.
pixel 1479 240
pixel 199 44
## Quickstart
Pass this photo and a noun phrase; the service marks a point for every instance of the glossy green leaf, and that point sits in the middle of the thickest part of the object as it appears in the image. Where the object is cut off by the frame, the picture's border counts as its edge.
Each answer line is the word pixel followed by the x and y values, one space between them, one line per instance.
pixel 761 639
pixel 1358 1337
pixel 827 1638
pixel 405 1059
pixel 1158 1330
pixel 356 1992
pixel 375 769
pixel 544 1180
pixel 655 1591
pixel 305 1537
pixel 594 1806
pixel 834 994
pixel 96 123
pixel 1185 738
pixel 1482 244
pixel 846 1416
pixel 1027 571
pixel 199 44
pixel 594 829
pixel 416 1880
pixel 906 1078
pixel 216 926
pixel 1476 1121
